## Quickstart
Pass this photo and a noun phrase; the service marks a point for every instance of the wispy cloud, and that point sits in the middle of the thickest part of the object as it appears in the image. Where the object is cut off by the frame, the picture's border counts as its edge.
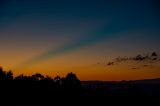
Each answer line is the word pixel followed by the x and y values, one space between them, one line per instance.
pixel 140 57
pixel 145 60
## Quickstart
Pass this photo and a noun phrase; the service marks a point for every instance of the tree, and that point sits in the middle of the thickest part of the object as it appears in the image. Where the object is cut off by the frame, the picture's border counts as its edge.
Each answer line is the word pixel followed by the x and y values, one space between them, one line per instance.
pixel 57 80
pixel 2 74
pixel 9 75
pixel 38 76
pixel 72 81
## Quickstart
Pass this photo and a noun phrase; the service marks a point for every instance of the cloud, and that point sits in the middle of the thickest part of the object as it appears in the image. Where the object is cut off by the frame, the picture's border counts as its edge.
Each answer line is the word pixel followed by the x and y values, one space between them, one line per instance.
pixel 147 59
pixel 140 57
pixel 134 68
pixel 110 63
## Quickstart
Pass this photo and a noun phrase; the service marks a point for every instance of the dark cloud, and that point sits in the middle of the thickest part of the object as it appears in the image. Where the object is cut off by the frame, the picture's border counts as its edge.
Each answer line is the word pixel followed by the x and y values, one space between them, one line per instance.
pixel 154 54
pixel 140 57
pixel 110 63
pixel 147 58
pixel 134 68
pixel 145 65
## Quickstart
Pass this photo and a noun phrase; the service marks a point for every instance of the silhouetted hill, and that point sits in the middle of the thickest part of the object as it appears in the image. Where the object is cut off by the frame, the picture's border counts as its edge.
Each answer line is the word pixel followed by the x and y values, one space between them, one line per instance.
pixel 149 87
pixel 148 81
pixel 156 80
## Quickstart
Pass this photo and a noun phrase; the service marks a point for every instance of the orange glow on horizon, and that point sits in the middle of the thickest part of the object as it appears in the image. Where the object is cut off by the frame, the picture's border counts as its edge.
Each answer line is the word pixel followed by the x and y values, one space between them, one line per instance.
pixel 118 72
pixel 84 64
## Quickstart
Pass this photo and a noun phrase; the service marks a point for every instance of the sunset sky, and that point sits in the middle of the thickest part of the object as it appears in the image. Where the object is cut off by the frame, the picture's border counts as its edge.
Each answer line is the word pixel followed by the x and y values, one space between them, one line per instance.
pixel 54 37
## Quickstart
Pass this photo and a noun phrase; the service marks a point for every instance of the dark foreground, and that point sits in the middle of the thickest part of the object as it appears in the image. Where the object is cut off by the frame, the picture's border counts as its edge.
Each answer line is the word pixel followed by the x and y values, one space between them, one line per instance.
pixel 21 93
pixel 38 90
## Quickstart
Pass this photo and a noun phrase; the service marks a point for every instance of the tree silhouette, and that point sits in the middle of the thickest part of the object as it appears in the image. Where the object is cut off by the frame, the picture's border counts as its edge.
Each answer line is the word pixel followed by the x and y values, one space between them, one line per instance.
pixel 37 76
pixel 72 81
pixel 5 76
pixel 9 75
pixel 43 88
pixel 57 80
pixel 20 77
pixel 2 74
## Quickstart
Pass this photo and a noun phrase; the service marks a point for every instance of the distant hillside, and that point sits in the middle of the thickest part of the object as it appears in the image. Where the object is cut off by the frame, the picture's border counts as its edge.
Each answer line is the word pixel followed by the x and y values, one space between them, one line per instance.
pixel 150 87
pixel 156 80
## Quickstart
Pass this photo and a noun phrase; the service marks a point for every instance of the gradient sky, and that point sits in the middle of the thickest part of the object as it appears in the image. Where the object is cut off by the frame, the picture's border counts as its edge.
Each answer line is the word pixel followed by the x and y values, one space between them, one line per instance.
pixel 55 37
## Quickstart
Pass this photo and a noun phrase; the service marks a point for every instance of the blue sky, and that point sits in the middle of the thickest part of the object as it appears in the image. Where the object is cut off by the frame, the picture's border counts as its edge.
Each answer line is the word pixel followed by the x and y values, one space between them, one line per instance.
pixel 61 26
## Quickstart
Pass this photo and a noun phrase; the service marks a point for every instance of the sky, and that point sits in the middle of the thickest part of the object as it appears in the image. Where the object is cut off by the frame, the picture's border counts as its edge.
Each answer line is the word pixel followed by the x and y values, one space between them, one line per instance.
pixel 54 37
